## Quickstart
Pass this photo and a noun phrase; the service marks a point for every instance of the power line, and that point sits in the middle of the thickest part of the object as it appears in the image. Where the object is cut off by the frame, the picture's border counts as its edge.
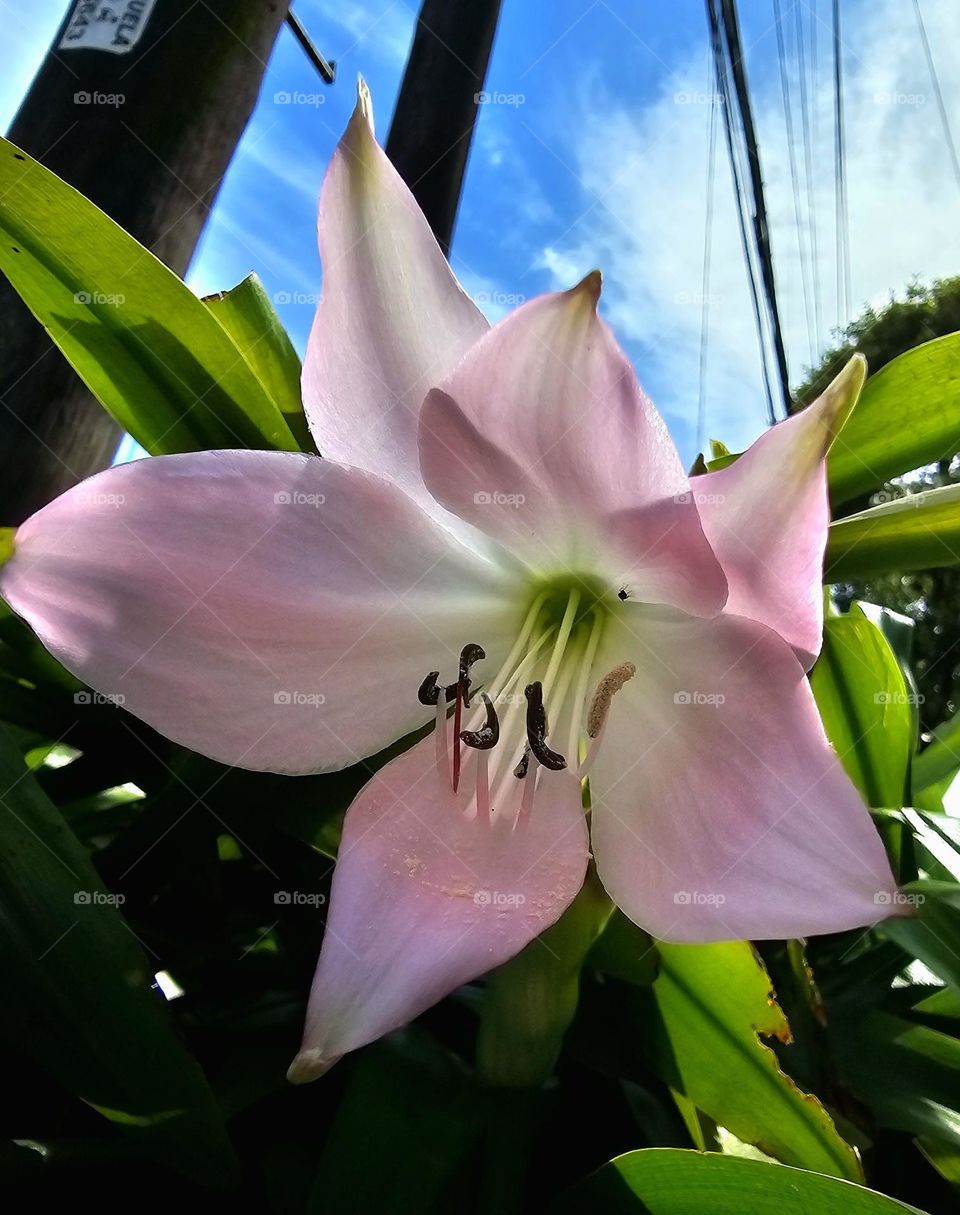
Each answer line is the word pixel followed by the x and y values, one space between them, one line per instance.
pixel 938 92
pixel 841 218
pixel 720 66
pixel 750 191
pixel 794 176
pixel 808 153
pixel 707 257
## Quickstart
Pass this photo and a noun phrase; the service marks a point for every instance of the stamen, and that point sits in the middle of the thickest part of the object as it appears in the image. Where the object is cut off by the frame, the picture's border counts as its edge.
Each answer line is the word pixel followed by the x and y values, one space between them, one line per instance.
pixel 429 691
pixel 526 800
pixel 483 786
pixel 580 690
pixel 520 771
pixel 607 688
pixel 489 733
pixel 537 729
pixel 470 654
pixel 563 636
pixel 440 740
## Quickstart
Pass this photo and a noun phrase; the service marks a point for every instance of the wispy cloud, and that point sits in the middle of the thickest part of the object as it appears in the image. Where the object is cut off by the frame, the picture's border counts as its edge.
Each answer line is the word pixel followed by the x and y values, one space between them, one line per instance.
pixel 642 170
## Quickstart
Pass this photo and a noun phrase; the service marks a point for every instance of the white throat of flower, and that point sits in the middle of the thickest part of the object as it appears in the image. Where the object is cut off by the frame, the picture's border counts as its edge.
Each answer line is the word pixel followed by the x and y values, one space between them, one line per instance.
pixel 536 717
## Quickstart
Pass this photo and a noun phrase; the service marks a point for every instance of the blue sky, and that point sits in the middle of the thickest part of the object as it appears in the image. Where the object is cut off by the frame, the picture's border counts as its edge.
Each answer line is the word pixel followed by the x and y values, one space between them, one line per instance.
pixel 599 159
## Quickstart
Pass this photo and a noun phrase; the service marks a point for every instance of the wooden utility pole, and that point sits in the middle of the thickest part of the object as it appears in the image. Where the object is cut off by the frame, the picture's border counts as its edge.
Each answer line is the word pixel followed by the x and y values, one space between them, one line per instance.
pixel 433 123
pixel 139 104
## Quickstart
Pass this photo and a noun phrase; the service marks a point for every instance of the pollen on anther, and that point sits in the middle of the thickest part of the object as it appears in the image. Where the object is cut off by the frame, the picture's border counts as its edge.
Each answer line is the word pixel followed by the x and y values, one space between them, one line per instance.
pixel 607 688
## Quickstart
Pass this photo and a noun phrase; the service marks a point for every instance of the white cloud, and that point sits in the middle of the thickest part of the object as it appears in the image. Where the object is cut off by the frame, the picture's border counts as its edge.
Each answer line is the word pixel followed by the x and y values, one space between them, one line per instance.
pixel 646 165
pixel 382 27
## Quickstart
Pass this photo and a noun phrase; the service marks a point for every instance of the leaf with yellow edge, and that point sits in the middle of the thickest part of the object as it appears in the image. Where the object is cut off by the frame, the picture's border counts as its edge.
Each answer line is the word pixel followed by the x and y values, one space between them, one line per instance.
pixel 715 1004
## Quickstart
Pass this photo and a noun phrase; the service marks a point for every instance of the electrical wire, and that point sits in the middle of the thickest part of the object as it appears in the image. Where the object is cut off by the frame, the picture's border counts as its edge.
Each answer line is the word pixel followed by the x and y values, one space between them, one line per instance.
pixel 938 92
pixel 794 175
pixel 808 144
pixel 841 218
pixel 712 92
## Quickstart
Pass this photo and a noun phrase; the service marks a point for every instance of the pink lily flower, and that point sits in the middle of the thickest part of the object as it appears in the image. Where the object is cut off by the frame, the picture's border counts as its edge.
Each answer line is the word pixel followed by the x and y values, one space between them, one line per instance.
pixel 500 538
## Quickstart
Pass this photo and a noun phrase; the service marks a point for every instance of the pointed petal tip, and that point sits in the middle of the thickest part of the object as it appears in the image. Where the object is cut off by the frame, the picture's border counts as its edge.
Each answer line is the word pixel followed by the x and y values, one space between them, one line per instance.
pixel 363 110
pixel 589 286
pixel 309 1065
pixel 837 401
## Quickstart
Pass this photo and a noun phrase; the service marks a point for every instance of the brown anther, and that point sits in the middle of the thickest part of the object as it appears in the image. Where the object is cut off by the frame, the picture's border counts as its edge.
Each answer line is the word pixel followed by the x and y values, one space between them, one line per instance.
pixel 489 733
pixel 607 688
pixel 537 729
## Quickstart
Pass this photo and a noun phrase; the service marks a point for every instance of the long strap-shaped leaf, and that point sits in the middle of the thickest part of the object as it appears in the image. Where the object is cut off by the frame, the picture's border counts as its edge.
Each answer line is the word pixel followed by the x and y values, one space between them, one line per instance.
pixel 916 532
pixel 77 993
pixel 150 351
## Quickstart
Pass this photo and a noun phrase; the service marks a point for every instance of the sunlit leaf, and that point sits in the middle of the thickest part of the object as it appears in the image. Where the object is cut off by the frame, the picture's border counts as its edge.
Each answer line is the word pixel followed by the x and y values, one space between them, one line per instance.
pixel 908 415
pixel 916 532
pixel 145 346
pixel 866 706
pixel 668 1181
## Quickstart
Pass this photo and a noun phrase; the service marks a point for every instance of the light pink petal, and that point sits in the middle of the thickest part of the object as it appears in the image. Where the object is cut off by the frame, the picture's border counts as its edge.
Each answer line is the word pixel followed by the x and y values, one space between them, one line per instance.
pixel 767 514
pixel 542 438
pixel 270 610
pixel 720 811
pixel 425 898
pixel 392 319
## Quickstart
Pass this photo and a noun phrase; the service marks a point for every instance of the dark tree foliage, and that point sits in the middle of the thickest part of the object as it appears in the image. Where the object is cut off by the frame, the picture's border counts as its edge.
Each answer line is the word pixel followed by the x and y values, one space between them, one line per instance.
pixel 929 597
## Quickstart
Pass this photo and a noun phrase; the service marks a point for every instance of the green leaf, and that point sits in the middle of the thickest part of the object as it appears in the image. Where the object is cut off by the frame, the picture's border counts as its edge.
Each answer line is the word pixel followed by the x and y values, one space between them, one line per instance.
pixel 250 318
pixel 626 952
pixel 671 1181
pixel 908 415
pixel 933 934
pixel 908 1074
pixel 941 757
pixel 714 1003
pixel 145 346
pixel 945 1158
pixel 530 1001
pixel 410 1118
pixel 866 706
pixel 916 532
pixel 79 998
